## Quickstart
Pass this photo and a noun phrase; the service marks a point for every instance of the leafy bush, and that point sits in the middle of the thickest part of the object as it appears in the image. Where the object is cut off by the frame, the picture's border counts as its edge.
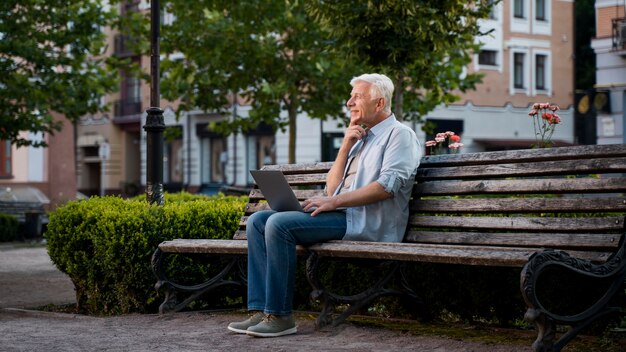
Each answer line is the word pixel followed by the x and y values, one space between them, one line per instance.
pixel 105 244
pixel 8 227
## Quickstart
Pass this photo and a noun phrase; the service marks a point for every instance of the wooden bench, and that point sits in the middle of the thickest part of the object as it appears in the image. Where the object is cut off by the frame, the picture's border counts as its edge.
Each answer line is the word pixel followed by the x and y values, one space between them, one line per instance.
pixel 536 209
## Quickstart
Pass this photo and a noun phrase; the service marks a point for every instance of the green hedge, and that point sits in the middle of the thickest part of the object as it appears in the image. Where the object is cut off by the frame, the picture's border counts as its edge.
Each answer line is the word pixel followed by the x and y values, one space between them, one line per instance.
pixel 8 227
pixel 105 244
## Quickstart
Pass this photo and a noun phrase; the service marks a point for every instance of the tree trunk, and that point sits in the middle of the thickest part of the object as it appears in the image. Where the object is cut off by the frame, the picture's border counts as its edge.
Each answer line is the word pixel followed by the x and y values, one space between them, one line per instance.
pixel 397 104
pixel 293 114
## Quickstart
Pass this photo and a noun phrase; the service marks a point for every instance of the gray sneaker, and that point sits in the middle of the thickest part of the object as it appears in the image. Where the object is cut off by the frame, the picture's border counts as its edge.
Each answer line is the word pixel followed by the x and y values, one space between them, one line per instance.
pixel 274 326
pixel 242 326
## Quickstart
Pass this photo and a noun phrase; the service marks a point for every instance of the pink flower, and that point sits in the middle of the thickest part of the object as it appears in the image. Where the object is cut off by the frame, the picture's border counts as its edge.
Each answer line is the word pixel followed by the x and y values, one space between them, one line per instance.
pixel 554 107
pixel 555 119
pixel 455 145
pixel 431 143
pixel 546 116
pixel 544 105
pixel 439 139
pixel 536 106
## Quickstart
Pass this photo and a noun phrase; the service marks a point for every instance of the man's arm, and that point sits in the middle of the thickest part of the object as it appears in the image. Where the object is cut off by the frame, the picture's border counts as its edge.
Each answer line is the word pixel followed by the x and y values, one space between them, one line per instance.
pixel 372 193
pixel 353 134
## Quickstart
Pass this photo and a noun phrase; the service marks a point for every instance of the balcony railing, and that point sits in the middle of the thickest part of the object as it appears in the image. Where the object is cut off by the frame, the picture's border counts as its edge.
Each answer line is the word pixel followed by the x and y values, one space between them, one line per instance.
pixel 126 107
pixel 123 46
pixel 618 35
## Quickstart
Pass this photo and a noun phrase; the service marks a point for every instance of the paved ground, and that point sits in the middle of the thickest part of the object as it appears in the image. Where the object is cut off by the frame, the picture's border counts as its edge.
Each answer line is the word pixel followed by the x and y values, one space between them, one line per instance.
pixel 28 279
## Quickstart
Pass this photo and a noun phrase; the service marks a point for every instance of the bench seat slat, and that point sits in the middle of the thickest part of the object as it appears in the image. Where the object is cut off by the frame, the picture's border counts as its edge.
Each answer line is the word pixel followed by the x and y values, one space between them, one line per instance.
pixel 449 254
pixel 546 168
pixel 519 205
pixel 547 224
pixel 551 185
pixel 554 240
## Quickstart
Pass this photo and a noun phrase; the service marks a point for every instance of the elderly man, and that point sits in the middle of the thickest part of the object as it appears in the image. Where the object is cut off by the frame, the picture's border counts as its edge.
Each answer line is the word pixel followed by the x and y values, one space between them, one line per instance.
pixel 372 175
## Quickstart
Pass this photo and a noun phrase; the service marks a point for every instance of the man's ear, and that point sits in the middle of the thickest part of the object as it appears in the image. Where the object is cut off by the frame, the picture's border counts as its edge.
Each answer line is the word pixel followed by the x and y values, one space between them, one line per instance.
pixel 380 105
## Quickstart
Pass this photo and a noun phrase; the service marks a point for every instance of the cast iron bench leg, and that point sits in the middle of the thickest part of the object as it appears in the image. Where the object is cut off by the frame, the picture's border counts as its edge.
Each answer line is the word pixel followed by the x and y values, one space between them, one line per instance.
pixel 360 300
pixel 170 303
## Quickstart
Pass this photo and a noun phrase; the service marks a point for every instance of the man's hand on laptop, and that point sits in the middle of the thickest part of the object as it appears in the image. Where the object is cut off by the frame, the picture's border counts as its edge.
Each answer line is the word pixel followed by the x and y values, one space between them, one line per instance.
pixel 319 204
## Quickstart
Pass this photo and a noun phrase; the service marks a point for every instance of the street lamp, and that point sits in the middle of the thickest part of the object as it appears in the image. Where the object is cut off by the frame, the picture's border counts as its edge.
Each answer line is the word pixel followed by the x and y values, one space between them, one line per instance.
pixel 155 125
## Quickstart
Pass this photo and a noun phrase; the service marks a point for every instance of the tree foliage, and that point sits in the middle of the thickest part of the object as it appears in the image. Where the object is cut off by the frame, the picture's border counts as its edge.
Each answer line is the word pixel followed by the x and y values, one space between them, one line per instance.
pixel 269 52
pixel 424 45
pixel 49 62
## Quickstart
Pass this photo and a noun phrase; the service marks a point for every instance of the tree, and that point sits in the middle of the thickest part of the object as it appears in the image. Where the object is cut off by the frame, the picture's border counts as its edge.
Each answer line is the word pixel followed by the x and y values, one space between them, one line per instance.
pixel 269 52
pixel 49 63
pixel 424 46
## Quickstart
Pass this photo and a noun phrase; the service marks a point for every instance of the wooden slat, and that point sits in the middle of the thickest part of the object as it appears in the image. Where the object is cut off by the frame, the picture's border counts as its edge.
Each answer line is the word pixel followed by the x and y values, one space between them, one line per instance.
pixel 439 253
pixel 606 242
pixel 526 155
pixel 543 224
pixel 519 205
pixel 524 186
pixel 546 168
pixel 305 168
pixel 306 179
pixel 450 254
pixel 210 246
pixel 301 194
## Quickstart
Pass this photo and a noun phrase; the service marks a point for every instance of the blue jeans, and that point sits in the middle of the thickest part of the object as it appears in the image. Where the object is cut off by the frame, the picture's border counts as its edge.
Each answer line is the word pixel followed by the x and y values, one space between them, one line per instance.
pixel 272 239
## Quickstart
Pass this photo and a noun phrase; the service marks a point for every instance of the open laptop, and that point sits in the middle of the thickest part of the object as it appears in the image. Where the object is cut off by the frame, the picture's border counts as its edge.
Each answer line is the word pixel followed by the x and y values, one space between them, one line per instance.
pixel 276 190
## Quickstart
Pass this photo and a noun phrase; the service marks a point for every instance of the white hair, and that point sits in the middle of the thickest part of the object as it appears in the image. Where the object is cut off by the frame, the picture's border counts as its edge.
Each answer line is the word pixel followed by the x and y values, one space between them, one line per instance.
pixel 381 87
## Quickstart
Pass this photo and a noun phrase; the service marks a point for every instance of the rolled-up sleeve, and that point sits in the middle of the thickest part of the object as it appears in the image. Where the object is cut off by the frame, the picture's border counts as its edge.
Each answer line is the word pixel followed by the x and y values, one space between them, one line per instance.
pixel 401 159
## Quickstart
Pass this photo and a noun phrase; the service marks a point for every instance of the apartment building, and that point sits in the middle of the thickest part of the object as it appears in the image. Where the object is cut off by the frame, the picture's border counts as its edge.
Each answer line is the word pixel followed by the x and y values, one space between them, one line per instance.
pixel 527 58
pixel 609 46
pixel 40 175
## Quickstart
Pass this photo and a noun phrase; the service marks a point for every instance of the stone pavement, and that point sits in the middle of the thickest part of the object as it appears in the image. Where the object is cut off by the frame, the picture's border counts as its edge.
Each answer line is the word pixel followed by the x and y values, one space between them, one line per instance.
pixel 28 279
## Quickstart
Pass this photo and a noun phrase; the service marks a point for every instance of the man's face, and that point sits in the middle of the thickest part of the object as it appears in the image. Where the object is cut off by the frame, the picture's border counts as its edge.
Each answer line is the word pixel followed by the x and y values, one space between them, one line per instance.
pixel 363 107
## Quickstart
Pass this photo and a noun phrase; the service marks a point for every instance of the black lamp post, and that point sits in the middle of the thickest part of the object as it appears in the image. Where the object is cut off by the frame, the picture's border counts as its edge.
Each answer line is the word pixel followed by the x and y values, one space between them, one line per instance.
pixel 155 125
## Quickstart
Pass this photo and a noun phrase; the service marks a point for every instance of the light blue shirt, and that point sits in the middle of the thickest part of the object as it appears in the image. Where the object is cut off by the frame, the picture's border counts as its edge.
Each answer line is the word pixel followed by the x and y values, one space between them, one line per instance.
pixel 390 156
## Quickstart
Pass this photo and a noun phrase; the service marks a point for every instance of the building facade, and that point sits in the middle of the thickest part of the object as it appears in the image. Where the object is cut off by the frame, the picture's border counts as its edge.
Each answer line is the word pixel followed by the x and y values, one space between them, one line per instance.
pixel 527 58
pixel 50 171
pixel 609 46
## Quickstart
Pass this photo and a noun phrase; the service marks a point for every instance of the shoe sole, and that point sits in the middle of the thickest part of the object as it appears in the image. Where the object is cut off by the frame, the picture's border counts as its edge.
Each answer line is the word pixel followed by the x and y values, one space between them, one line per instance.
pixel 239 331
pixel 273 334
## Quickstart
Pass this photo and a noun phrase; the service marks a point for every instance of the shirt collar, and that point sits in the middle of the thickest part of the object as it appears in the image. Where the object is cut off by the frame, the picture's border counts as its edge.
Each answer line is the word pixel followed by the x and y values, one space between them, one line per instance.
pixel 381 126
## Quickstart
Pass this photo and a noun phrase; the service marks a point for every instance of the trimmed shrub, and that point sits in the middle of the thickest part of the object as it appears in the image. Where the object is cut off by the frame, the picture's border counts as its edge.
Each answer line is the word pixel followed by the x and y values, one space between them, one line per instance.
pixel 104 244
pixel 8 227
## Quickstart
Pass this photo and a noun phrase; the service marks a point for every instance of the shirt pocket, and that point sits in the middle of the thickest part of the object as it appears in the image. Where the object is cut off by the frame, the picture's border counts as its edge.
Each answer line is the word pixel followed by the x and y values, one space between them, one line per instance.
pixel 372 159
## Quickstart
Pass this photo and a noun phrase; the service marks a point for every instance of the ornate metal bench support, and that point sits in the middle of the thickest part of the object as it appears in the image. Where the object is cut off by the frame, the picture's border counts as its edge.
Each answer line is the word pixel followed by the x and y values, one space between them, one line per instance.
pixel 170 288
pixel 358 301
pixel 545 321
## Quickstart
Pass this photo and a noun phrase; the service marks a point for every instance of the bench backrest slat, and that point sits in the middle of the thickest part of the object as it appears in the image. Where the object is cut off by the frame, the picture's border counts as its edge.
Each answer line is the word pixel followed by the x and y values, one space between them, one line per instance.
pixel 517 239
pixel 519 205
pixel 543 168
pixel 613 224
pixel 541 185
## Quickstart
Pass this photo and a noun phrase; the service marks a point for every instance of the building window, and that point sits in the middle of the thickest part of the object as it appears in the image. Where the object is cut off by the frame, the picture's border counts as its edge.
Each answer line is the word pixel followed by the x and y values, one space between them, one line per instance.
pixel 540 72
pixel 5 159
pixel 540 10
pixel 518 9
pixel 488 58
pixel 492 14
pixel 518 70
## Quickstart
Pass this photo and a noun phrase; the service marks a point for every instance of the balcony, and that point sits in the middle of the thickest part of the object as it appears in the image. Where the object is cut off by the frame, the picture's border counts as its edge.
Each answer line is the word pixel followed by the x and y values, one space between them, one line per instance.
pixel 123 46
pixel 618 35
pixel 126 107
